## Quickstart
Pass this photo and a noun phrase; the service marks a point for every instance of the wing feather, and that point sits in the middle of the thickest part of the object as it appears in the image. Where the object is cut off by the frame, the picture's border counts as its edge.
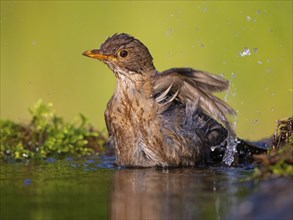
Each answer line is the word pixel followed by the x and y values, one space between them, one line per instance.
pixel 186 84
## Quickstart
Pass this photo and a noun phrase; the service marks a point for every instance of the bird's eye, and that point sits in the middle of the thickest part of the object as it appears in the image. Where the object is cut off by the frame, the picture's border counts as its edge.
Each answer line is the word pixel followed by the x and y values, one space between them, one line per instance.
pixel 123 53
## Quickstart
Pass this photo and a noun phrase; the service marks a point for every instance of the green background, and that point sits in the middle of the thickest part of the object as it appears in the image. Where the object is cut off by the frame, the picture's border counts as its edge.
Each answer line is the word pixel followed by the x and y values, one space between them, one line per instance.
pixel 42 42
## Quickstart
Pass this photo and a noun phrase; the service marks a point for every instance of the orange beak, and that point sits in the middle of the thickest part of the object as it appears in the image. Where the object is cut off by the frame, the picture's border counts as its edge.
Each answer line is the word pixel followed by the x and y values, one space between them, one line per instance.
pixel 96 54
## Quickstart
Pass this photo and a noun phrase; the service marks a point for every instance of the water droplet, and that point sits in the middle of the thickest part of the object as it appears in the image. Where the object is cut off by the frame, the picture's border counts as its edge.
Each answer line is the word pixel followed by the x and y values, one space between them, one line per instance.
pixel 273 109
pixel 233 75
pixel 255 50
pixel 245 52
pixel 169 31
pixel 259 62
pixel 235 123
pixel 255 121
pixel 248 18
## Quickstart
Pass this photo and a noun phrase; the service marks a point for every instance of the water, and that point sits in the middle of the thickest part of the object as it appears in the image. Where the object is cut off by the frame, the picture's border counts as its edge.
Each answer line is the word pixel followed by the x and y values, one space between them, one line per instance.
pixel 230 150
pixel 54 190
pixel 92 188
pixel 245 52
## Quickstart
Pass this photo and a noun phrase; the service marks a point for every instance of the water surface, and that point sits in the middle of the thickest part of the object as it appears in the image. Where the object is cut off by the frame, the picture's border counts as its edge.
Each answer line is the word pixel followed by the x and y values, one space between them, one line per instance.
pixel 91 188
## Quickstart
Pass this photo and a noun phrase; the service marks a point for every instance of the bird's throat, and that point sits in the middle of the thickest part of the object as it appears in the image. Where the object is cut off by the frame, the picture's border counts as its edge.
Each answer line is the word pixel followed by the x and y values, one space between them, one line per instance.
pixel 136 87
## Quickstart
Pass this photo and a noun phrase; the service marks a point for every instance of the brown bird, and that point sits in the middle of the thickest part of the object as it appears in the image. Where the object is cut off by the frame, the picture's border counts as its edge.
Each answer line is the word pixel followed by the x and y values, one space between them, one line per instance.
pixel 168 118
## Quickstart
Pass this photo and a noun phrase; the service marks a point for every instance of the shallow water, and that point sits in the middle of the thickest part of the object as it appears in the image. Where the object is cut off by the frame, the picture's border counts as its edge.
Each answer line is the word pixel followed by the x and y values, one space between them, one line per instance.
pixel 91 188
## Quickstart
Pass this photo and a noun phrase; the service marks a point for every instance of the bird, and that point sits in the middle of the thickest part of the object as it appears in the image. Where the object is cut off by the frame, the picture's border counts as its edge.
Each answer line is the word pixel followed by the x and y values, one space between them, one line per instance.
pixel 163 119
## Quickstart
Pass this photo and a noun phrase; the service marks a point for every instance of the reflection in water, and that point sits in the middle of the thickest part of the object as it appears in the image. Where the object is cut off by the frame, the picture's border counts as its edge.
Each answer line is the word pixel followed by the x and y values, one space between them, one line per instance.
pixel 173 194
pixel 93 189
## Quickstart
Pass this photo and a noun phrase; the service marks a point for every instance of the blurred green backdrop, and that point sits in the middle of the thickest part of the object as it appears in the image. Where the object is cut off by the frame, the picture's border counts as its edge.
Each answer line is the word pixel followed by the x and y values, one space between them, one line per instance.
pixel 42 42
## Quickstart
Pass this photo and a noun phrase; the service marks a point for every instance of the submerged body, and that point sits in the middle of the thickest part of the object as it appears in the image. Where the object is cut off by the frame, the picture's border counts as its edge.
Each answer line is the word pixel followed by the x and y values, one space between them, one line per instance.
pixel 168 118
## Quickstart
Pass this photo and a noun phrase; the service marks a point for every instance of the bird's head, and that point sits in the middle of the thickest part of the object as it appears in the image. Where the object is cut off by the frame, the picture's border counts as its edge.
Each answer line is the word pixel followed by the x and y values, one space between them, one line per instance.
pixel 124 55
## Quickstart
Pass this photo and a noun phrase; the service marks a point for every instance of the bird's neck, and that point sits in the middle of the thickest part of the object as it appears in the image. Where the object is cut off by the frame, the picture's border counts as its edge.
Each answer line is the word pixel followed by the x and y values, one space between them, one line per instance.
pixel 136 85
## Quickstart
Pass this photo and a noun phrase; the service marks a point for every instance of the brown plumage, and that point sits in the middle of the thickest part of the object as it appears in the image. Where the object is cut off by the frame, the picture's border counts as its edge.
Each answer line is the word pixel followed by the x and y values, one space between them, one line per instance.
pixel 168 118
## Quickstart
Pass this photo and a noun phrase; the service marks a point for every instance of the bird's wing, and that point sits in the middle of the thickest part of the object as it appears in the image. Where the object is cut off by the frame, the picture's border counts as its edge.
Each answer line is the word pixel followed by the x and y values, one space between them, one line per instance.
pixel 186 84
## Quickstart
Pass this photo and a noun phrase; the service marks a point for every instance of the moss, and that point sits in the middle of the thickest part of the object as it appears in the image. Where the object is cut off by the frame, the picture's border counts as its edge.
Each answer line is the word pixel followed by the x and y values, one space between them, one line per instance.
pixel 49 135
pixel 279 160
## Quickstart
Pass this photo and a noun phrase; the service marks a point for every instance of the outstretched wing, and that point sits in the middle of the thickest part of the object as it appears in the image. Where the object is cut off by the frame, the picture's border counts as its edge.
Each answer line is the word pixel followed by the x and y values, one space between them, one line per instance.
pixel 186 84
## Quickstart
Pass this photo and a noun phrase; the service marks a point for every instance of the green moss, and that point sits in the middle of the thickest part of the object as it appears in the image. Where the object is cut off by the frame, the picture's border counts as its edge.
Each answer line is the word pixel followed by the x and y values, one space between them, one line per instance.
pixel 279 160
pixel 49 135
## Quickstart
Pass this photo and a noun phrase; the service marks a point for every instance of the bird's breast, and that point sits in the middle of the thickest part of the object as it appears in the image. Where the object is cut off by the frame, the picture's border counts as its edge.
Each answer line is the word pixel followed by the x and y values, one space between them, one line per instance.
pixel 135 128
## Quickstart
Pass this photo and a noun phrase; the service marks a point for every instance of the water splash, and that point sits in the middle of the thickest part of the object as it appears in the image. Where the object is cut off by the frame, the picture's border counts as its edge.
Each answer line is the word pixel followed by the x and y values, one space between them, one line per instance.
pixel 232 93
pixel 245 52
pixel 230 150
pixel 231 140
pixel 232 90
